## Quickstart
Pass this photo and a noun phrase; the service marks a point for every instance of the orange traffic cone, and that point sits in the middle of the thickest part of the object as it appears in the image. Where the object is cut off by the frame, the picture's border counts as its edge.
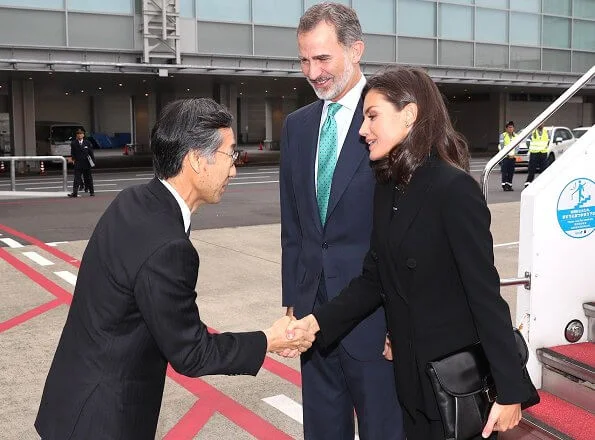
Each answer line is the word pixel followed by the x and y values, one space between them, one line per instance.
pixel 125 149
pixel 260 146
pixel 245 158
pixel 41 168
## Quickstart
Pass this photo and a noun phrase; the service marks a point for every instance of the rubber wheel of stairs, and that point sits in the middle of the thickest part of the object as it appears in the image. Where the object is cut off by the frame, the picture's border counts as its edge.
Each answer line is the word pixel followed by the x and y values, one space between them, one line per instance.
pixel 564 417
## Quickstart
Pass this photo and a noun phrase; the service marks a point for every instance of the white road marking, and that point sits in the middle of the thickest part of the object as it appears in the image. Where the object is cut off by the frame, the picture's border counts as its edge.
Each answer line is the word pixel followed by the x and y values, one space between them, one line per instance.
pixel 42 261
pixel 512 243
pixel 11 243
pixel 59 187
pixel 287 406
pixel 55 243
pixel 67 276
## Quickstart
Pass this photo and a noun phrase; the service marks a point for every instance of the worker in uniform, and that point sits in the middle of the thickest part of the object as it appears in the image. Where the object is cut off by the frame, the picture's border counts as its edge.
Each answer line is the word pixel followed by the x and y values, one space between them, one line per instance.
pixel 537 152
pixel 507 164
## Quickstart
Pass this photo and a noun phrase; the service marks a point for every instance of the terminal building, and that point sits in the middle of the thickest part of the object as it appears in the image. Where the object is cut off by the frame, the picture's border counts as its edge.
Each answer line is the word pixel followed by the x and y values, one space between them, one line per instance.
pixel 110 65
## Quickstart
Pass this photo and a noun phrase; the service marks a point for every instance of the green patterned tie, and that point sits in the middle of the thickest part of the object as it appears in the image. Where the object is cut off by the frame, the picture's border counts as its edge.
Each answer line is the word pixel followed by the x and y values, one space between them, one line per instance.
pixel 327 159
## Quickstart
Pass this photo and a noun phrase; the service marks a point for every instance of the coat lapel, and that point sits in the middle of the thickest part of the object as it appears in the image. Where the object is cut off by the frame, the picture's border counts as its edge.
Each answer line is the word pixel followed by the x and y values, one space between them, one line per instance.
pixel 307 154
pixel 411 202
pixel 353 152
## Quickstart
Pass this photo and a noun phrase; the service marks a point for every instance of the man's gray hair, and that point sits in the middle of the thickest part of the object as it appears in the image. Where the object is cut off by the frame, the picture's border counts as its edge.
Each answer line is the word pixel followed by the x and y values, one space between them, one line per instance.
pixel 342 17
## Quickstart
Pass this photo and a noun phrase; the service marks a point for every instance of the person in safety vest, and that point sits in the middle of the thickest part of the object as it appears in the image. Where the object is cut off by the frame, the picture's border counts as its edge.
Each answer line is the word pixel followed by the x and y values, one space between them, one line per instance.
pixel 507 164
pixel 537 152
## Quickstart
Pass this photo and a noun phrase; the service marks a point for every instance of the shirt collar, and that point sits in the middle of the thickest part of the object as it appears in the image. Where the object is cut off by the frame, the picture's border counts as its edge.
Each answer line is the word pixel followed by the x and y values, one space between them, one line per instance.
pixel 352 97
pixel 183 207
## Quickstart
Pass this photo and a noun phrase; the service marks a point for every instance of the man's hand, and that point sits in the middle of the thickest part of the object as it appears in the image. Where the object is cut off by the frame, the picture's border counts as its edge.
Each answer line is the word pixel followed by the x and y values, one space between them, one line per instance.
pixel 289 312
pixel 278 340
pixel 388 349
pixel 502 418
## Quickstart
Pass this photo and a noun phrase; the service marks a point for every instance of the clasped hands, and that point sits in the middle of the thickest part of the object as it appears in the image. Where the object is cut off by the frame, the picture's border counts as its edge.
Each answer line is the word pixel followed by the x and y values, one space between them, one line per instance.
pixel 288 337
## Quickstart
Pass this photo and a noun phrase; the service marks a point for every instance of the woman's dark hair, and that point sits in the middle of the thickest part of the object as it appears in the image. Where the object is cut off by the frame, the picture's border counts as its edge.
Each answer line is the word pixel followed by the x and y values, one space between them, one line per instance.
pixel 185 125
pixel 431 131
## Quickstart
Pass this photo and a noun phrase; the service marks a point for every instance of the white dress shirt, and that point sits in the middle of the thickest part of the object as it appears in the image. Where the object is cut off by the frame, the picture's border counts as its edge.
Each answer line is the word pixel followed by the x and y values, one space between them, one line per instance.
pixel 185 209
pixel 343 117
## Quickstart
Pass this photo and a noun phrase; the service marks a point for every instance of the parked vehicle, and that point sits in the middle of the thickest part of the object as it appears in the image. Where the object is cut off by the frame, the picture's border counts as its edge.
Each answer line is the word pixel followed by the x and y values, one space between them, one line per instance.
pixel 560 139
pixel 53 138
pixel 579 131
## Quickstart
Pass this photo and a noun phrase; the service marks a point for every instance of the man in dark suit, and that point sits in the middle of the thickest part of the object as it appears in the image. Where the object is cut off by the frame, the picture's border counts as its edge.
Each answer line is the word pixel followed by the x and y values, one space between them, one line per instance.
pixel 134 305
pixel 81 154
pixel 326 192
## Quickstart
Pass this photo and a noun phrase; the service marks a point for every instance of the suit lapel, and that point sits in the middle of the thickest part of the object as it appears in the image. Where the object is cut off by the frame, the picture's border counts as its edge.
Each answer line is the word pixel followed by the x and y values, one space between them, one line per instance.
pixel 353 152
pixel 308 146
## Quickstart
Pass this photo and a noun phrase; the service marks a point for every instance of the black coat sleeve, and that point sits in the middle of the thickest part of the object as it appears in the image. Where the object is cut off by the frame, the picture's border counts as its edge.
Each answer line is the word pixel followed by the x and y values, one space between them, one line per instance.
pixel 466 219
pixel 164 292
pixel 359 299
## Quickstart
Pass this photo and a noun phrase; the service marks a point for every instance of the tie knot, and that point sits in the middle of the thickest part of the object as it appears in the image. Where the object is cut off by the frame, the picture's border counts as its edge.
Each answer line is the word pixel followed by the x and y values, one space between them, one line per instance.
pixel 333 108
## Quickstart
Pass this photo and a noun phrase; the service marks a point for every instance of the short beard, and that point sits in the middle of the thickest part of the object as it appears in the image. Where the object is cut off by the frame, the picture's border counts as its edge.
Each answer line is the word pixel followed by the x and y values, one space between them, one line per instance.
pixel 339 84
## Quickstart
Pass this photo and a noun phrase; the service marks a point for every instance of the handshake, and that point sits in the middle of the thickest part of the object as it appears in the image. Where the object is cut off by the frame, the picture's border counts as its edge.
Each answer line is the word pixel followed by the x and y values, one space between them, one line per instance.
pixel 289 337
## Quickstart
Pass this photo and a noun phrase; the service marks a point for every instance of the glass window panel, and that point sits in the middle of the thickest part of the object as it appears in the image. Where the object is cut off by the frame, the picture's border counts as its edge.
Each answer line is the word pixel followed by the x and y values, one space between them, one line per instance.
pixel 526 5
pixel 227 38
pixel 380 48
pixel 223 10
pixel 556 60
pixel 270 12
pixel 376 16
pixel 309 3
pixel 417 18
pixel 557 31
pixel 558 7
pixel 466 2
pixel 416 51
pixel 274 41
pixel 582 61
pixel 500 4
pixel 44 4
pixel 455 53
pixel 525 58
pixel 109 6
pixel 456 22
pixel 583 36
pixel 491 25
pixel 490 55
pixel 524 29
pixel 584 9
pixel 186 8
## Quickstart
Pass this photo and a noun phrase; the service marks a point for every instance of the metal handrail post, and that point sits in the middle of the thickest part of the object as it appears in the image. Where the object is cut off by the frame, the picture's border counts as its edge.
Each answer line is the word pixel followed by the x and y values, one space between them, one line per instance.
pixel 532 126
pixel 64 176
pixel 13 159
pixel 13 175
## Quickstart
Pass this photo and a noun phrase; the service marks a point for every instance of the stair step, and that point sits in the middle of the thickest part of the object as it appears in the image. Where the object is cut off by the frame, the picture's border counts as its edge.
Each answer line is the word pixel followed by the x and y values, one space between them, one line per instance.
pixel 578 360
pixel 560 419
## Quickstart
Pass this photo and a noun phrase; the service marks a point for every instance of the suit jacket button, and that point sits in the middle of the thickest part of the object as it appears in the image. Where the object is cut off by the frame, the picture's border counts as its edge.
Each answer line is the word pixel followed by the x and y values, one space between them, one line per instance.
pixel 411 263
pixel 325 245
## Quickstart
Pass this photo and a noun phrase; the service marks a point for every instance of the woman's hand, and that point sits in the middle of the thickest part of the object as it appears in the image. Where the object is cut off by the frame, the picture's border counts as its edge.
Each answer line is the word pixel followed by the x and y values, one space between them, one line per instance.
pixel 502 418
pixel 388 349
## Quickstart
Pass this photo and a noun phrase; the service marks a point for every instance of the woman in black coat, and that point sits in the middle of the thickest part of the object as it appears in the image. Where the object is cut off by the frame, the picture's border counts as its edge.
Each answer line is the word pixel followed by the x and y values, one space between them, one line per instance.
pixel 431 261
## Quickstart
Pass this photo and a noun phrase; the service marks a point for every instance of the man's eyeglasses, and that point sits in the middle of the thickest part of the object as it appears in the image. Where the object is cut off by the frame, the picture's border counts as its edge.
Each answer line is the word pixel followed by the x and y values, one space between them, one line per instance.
pixel 234 156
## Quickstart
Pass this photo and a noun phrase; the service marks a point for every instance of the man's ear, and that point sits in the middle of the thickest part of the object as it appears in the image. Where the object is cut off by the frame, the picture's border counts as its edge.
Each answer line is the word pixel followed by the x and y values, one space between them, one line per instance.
pixel 356 51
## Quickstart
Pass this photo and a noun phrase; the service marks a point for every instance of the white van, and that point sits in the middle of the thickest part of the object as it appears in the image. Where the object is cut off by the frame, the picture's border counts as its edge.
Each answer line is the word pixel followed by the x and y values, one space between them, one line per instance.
pixel 53 138
pixel 561 139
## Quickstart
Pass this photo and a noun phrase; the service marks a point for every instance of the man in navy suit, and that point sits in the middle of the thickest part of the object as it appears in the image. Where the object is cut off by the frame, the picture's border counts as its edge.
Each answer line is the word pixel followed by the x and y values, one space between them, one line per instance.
pixel 326 189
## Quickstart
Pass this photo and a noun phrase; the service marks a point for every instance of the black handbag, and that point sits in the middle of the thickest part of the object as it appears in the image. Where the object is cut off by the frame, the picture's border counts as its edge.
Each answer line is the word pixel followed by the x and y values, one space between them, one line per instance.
pixel 465 390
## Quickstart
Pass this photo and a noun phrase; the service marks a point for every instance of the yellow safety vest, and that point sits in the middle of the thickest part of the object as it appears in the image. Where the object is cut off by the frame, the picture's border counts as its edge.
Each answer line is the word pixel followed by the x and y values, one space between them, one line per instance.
pixel 539 142
pixel 506 138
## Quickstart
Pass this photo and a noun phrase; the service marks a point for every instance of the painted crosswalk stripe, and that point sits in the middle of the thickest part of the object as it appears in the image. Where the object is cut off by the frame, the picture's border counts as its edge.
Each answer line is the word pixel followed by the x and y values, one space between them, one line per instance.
pixel 11 243
pixel 67 276
pixel 289 407
pixel 55 243
pixel 42 261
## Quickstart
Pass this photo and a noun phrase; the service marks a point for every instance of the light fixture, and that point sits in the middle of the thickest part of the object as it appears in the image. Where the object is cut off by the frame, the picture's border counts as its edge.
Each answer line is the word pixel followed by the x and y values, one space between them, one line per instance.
pixel 99 88
pixel 146 94
pixel 295 88
pixel 187 90
pixel 120 84
pixel 66 93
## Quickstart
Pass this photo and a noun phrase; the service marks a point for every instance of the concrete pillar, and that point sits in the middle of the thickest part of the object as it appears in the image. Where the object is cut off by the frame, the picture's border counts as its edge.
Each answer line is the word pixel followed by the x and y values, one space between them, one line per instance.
pixel 228 96
pixel 22 106
pixel 243 119
pixel 588 114
pixel 142 128
pixel 268 122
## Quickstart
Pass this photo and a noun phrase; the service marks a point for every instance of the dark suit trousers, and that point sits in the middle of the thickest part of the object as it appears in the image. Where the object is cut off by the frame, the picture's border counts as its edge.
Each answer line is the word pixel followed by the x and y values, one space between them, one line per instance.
pixel 334 383
pixel 79 176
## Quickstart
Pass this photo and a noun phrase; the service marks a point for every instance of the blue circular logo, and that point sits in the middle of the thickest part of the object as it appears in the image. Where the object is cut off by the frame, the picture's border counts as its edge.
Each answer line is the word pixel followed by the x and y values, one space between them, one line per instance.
pixel 576 208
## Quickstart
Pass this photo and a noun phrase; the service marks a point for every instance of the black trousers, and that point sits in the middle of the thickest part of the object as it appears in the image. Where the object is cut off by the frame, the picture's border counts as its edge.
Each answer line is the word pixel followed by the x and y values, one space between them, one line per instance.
pixel 81 175
pixel 537 164
pixel 507 168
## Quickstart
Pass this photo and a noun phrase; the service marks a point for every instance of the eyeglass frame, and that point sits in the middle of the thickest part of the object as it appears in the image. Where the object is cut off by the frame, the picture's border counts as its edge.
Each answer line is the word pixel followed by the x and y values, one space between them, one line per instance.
pixel 234 156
